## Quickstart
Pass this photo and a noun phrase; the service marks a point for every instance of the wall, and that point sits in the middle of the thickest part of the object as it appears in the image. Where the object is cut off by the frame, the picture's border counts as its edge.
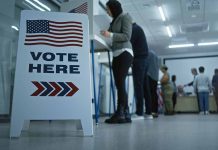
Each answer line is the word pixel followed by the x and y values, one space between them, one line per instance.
pixel 8 38
pixel 9 15
pixel 181 66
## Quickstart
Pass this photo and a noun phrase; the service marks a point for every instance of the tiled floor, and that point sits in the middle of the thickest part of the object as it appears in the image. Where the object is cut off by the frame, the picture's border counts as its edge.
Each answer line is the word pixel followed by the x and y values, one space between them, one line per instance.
pixel 178 132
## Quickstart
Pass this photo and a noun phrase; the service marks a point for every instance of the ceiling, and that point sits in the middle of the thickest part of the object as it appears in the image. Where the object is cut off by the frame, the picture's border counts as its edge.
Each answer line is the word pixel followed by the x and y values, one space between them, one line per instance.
pixel 190 21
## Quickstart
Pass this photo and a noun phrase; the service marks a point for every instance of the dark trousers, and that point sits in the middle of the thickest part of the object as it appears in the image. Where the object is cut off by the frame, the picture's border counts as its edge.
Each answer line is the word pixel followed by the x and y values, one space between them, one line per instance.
pixel 215 93
pixel 120 66
pixel 174 99
pixel 154 96
pixel 141 86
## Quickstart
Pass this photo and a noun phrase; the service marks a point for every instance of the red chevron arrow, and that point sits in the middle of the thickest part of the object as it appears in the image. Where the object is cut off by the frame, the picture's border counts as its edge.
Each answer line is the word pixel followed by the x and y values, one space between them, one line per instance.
pixel 56 90
pixel 39 90
pixel 73 87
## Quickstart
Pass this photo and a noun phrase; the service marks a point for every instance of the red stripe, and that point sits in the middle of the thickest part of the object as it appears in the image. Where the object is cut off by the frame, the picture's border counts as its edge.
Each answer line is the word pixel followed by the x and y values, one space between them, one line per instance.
pixel 65 26
pixel 55 41
pixel 58 37
pixel 65 33
pixel 70 29
pixel 65 22
pixel 43 43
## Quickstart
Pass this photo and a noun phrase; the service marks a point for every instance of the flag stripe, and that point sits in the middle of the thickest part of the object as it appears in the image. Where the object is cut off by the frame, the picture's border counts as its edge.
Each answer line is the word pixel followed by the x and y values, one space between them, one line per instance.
pixel 55 41
pixel 64 26
pixel 71 33
pixel 55 37
pixel 66 30
pixel 55 45
pixel 72 22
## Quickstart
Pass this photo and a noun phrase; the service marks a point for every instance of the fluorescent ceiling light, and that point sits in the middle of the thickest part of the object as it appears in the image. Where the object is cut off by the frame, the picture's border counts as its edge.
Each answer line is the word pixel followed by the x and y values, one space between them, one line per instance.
pixel 161 13
pixel 181 45
pixel 169 32
pixel 31 3
pixel 209 43
pixel 15 28
pixel 43 5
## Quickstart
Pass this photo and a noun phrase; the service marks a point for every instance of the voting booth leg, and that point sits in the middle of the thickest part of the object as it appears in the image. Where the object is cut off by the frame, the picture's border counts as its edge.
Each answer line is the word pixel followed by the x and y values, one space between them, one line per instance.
pixel 110 100
pixel 93 76
pixel 99 90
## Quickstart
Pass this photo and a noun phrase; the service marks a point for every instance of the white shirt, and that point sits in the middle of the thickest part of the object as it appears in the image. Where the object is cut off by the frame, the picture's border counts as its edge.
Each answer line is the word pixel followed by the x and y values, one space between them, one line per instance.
pixel 202 83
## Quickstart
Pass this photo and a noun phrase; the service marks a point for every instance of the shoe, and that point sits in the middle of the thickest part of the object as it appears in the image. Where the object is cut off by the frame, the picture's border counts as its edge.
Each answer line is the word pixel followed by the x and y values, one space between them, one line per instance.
pixel 168 113
pixel 137 117
pixel 155 115
pixel 206 113
pixel 201 113
pixel 139 113
pixel 148 117
pixel 127 115
pixel 116 118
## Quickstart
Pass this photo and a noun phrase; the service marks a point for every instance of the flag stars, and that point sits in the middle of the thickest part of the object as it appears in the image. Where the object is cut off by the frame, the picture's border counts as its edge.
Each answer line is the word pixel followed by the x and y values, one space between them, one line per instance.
pixel 37 26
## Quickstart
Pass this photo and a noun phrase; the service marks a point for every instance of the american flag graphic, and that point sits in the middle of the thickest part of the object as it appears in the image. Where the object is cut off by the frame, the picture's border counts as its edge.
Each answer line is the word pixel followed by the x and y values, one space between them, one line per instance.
pixel 82 9
pixel 53 33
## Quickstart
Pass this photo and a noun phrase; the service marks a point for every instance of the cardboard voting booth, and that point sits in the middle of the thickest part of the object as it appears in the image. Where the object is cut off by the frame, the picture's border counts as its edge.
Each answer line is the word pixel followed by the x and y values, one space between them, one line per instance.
pixel 52 78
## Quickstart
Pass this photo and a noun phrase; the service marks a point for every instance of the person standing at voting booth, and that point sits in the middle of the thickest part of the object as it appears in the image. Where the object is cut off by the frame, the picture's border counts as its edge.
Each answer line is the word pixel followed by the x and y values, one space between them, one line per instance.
pixel 139 71
pixel 194 73
pixel 202 86
pixel 167 90
pixel 120 31
pixel 153 77
pixel 215 86
pixel 174 97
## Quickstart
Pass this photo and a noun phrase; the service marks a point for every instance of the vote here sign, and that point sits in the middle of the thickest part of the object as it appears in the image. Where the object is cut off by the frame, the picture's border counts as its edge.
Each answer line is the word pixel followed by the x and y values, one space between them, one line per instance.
pixel 52 78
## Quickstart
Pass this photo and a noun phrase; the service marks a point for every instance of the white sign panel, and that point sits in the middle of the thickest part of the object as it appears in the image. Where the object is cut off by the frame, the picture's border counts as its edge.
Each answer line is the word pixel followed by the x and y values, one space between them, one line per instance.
pixel 52 80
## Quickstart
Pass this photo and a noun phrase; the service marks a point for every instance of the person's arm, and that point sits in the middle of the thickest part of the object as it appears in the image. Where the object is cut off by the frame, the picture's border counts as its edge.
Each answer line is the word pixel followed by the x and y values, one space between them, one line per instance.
pixel 126 30
pixel 190 84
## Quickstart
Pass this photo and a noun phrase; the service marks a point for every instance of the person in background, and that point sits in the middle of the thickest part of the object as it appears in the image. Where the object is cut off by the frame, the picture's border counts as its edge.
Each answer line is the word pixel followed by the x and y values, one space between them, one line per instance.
pixel 120 31
pixel 202 86
pixel 139 71
pixel 153 76
pixel 167 91
pixel 174 97
pixel 194 73
pixel 215 86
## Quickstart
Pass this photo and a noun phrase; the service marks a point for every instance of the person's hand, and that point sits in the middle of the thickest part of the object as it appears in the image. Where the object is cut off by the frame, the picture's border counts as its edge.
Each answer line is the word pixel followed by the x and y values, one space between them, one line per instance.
pixel 105 33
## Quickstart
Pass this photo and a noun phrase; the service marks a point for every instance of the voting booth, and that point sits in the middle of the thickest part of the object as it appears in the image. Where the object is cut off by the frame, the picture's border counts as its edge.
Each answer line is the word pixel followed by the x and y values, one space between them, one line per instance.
pixel 52 78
